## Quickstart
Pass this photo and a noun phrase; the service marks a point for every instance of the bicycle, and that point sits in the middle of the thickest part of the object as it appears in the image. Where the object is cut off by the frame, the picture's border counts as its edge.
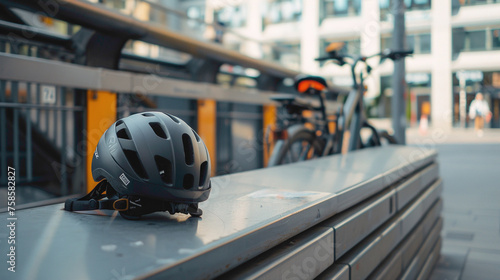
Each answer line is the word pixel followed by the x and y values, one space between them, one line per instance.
pixel 299 137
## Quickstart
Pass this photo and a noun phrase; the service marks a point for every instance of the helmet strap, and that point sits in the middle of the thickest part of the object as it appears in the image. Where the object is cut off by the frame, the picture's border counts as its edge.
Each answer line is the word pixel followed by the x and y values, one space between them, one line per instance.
pixel 130 207
pixel 94 199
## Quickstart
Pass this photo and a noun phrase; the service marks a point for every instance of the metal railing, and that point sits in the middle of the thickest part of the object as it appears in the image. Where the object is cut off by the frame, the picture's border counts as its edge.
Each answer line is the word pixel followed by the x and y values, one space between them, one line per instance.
pixel 45 80
pixel 40 125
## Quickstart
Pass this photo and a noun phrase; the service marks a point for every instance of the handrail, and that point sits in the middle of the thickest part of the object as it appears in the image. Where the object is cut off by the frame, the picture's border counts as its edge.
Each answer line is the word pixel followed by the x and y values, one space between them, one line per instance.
pixel 41 35
pixel 214 25
pixel 100 18
pixel 38 70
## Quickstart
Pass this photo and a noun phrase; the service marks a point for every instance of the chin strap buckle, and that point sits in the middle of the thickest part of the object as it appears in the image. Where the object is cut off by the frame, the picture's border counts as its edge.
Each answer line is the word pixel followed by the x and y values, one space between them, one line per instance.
pixel 121 204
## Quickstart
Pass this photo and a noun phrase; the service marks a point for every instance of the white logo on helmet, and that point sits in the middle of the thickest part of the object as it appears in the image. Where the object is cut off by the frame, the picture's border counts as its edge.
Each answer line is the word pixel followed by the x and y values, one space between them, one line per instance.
pixel 112 144
pixel 124 179
pixel 96 153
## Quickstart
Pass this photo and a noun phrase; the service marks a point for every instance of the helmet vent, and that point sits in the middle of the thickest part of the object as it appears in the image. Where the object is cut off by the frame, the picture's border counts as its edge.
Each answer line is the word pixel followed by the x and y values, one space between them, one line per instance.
pixel 173 118
pixel 165 169
pixel 158 129
pixel 123 133
pixel 148 114
pixel 188 149
pixel 135 163
pixel 188 181
pixel 122 130
pixel 196 136
pixel 203 173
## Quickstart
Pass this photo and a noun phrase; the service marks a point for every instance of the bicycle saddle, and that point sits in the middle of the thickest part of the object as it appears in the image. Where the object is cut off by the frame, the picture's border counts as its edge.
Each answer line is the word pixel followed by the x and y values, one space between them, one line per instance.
pixel 293 104
pixel 283 98
pixel 303 83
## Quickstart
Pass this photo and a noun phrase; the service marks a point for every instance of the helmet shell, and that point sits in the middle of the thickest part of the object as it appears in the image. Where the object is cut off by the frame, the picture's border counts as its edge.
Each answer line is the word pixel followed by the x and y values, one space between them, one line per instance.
pixel 154 155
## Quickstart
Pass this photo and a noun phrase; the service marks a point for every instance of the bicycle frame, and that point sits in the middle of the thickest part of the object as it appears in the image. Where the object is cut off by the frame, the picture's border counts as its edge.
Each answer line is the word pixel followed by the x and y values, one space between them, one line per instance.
pixel 353 115
pixel 350 120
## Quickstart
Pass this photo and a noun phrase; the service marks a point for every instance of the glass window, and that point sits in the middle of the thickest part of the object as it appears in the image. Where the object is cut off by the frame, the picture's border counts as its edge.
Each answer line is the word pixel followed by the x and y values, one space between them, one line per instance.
pixel 425 43
pixel 485 39
pixel 419 43
pixel 115 4
pixel 411 5
pixel 386 43
pixel 384 4
pixel 287 11
pixel 284 53
pixel 231 16
pixel 351 47
pixel 495 39
pixel 458 41
pixel 196 17
pixel 410 42
pixel 283 11
pixel 418 4
pixel 477 40
pixel 477 2
pixel 341 6
pixel 336 8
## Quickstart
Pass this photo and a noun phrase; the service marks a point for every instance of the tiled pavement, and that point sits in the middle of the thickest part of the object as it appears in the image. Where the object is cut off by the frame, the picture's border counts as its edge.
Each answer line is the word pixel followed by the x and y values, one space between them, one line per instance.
pixel 470 168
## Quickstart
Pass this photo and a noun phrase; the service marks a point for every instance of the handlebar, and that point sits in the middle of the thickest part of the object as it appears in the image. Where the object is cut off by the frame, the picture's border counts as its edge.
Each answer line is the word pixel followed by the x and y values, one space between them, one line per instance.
pixel 387 53
pixel 340 59
pixel 395 55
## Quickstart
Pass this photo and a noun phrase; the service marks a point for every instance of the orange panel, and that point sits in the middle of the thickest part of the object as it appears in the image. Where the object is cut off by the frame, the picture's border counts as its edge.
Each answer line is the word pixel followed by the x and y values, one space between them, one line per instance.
pixel 331 123
pixel 269 125
pixel 207 128
pixel 101 113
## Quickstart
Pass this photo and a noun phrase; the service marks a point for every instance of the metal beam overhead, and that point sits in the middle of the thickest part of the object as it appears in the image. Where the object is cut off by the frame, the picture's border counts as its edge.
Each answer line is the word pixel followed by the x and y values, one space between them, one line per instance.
pixel 100 18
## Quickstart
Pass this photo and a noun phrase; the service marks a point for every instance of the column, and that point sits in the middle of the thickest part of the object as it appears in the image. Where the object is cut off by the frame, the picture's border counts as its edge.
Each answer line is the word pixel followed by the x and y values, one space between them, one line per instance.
pixel 370 42
pixel 309 41
pixel 441 92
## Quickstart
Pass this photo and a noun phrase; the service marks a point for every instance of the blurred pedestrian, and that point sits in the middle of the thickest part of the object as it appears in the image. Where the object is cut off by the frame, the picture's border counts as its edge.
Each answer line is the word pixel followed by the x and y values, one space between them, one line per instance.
pixel 424 118
pixel 480 112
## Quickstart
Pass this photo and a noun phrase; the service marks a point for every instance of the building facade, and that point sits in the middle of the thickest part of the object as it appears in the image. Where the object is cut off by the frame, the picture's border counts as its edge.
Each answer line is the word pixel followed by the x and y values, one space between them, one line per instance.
pixel 456 45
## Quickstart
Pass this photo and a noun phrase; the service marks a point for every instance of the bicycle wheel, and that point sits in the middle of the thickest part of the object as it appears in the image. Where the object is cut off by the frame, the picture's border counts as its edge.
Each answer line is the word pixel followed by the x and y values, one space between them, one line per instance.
pixel 302 144
pixel 384 139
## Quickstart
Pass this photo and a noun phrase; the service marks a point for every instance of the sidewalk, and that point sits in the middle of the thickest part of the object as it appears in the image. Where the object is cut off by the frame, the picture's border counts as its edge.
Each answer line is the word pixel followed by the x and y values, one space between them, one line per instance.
pixel 470 169
pixel 452 136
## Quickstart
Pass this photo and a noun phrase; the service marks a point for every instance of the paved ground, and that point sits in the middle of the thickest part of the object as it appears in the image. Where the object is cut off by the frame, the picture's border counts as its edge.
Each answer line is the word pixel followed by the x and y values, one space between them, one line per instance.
pixel 470 168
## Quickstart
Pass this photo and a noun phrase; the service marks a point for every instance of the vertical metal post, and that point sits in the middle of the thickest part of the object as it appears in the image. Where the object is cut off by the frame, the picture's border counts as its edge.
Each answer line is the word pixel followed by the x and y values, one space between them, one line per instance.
pixel 398 80
pixel 64 175
pixel 29 150
pixel 3 135
pixel 356 124
pixel 14 88
pixel 37 96
pixel 15 99
pixel 462 98
pixel 46 113
pixel 55 121
pixel 3 129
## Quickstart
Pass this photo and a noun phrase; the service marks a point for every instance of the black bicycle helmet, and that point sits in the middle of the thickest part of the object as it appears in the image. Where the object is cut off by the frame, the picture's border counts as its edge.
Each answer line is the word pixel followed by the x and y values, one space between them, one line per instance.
pixel 148 162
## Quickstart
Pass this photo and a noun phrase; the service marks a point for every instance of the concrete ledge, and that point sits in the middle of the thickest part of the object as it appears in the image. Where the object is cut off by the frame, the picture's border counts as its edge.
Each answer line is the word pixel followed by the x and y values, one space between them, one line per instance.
pixel 399 260
pixel 415 268
pixel 247 214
